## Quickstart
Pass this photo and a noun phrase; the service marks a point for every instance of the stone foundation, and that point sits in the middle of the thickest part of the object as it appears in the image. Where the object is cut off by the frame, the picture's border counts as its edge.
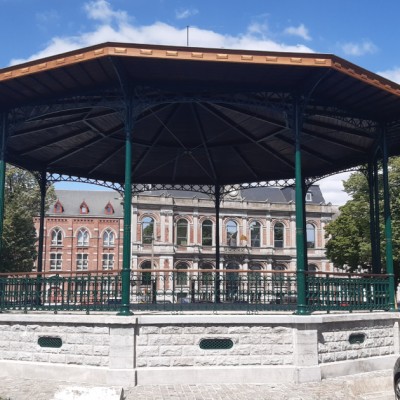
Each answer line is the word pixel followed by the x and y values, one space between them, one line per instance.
pixel 162 349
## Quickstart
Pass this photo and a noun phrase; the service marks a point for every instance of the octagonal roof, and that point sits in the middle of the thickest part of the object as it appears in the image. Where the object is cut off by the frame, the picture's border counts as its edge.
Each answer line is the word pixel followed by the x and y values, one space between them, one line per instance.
pixel 201 116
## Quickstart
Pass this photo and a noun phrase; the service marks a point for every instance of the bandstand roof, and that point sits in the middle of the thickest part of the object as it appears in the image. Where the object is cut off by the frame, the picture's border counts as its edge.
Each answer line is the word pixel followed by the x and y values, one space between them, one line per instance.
pixel 201 115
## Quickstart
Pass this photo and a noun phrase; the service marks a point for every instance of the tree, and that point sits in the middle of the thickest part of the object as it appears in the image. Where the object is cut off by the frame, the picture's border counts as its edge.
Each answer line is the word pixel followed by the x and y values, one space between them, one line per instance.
pixel 349 244
pixel 22 204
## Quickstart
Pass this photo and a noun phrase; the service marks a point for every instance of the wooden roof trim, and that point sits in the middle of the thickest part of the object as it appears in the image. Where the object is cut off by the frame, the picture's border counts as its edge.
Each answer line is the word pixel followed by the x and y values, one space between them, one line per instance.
pixel 211 55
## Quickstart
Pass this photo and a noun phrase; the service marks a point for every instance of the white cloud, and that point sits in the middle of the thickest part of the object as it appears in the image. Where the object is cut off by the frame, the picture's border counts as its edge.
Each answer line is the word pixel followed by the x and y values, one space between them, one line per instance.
pixel 300 30
pixel 100 10
pixel 115 26
pixel 391 74
pixel 332 188
pixel 182 14
pixel 359 49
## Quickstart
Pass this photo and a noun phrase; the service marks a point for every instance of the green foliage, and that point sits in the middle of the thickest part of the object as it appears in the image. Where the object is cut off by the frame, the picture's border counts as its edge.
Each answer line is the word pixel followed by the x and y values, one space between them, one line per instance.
pixel 349 244
pixel 22 204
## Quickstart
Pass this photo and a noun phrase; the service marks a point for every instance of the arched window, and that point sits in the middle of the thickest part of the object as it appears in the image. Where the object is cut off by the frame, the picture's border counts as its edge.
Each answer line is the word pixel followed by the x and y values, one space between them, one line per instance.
pixel 108 238
pixel 181 277
pixel 232 283
pixel 182 232
pixel 310 236
pixel 279 280
pixel 56 237
pixel 206 276
pixel 146 276
pixel 206 233
pixel 147 230
pixel 279 230
pixel 255 234
pixel 254 277
pixel 83 237
pixel 312 268
pixel 231 233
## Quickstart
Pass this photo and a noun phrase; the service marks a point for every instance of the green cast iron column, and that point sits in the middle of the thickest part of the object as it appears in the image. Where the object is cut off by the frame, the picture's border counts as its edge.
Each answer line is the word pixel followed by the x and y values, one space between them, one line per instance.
pixel 126 259
pixel 299 196
pixel 388 224
pixel 377 268
pixel 372 230
pixel 4 133
pixel 217 245
pixel 42 185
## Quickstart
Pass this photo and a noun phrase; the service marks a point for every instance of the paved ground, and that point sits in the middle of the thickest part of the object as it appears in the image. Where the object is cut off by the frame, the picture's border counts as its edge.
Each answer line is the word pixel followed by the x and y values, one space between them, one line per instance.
pixel 369 386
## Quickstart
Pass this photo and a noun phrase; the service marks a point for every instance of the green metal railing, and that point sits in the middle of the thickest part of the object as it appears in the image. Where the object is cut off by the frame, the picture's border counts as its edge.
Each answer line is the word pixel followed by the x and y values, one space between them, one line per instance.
pixel 190 290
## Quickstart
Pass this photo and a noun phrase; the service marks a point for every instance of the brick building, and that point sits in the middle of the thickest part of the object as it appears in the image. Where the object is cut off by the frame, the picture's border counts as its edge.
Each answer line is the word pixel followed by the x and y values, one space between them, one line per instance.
pixel 175 229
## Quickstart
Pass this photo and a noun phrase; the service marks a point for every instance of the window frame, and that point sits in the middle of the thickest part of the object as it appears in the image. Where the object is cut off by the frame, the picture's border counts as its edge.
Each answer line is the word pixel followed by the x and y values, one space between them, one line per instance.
pixel 146 222
pixel 110 242
pixel 281 226
pixel 56 241
pixel 311 244
pixel 83 238
pixel 232 237
pixel 252 241
pixel 55 261
pixel 82 261
pixel 182 240
pixel 107 261
pixel 208 238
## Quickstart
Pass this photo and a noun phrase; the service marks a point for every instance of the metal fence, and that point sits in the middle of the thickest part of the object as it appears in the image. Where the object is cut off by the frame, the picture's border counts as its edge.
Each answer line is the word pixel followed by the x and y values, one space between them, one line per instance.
pixel 189 290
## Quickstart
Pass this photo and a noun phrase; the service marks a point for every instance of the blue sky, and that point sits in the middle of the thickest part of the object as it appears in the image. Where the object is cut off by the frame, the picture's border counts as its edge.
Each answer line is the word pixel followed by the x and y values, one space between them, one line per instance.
pixel 362 31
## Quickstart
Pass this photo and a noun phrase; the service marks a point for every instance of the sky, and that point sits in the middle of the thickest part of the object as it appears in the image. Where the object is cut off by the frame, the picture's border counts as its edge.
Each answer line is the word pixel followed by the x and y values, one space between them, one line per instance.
pixel 361 31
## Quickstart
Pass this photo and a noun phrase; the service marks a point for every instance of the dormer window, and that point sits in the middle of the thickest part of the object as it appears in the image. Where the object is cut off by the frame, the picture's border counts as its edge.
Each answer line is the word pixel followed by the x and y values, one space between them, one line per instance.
pixel 58 207
pixel 109 209
pixel 308 196
pixel 84 209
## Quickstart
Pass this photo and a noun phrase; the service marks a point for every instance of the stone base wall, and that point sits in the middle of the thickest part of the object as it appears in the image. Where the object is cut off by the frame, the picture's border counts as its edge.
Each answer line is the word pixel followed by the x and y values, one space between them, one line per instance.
pixel 158 349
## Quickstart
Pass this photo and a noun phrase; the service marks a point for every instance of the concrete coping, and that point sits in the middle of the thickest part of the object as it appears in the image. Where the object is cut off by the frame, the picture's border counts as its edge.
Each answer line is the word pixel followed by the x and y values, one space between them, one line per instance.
pixel 192 319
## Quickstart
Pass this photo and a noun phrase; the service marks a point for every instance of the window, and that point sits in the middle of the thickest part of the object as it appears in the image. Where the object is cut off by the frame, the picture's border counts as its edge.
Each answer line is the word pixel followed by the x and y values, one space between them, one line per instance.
pixel 56 237
pixel 279 281
pixel 182 232
pixel 146 276
pixel 253 276
pixel 55 261
pixel 206 276
pixel 181 277
pixel 279 230
pixel 206 233
pixel 108 261
pixel 147 230
pixel 108 238
pixel 109 209
pixel 231 233
pixel 310 236
pixel 83 237
pixel 82 261
pixel 255 234
pixel 58 208
pixel 308 196
pixel 312 268
pixel 84 208
pixel 232 282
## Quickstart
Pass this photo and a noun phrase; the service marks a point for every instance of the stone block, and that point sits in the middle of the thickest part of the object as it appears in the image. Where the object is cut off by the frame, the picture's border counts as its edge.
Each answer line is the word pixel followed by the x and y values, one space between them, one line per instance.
pixel 171 351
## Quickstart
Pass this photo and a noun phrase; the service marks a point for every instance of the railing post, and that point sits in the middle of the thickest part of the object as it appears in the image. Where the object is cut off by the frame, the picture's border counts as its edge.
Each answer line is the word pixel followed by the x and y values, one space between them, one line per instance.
pixel 126 260
pixel 388 223
pixel 299 196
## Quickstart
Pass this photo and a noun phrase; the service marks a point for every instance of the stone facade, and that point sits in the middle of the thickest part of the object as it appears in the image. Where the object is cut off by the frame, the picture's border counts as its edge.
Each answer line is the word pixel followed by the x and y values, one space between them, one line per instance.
pixel 166 349
pixel 172 229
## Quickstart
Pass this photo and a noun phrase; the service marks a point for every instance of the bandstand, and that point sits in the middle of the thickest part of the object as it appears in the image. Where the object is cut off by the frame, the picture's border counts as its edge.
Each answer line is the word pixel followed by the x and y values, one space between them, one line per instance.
pixel 210 120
